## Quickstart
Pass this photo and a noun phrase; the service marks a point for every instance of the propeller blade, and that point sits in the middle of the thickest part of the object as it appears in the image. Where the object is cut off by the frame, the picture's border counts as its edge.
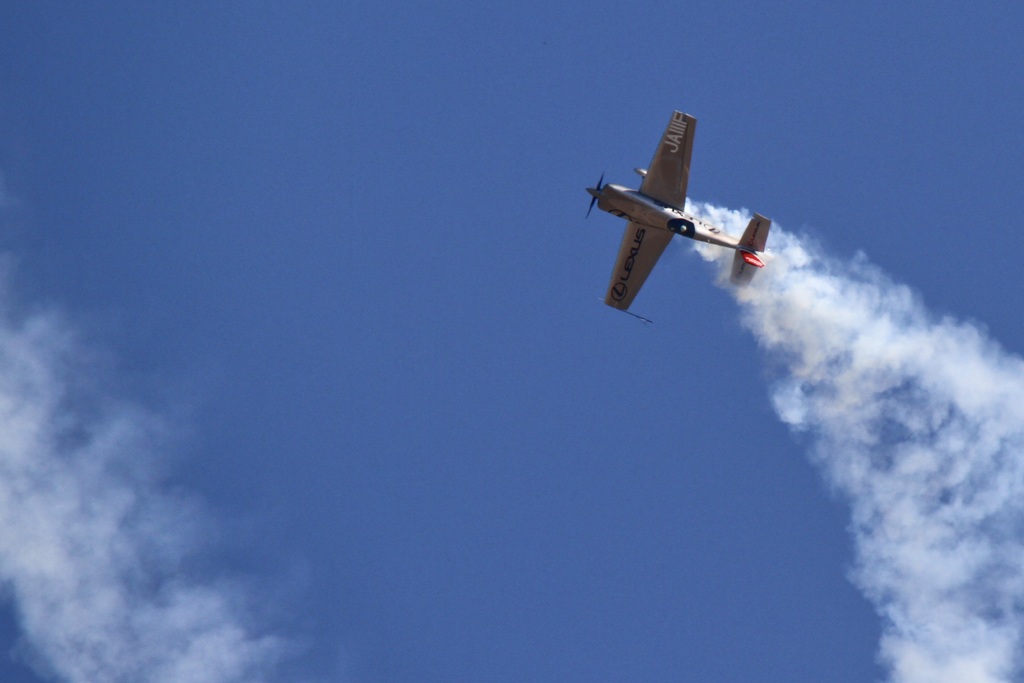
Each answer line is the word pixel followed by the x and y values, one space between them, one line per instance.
pixel 600 184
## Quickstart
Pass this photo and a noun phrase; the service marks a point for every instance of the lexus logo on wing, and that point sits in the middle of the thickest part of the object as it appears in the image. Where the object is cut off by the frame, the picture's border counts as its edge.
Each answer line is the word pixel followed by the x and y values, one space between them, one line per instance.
pixel 619 291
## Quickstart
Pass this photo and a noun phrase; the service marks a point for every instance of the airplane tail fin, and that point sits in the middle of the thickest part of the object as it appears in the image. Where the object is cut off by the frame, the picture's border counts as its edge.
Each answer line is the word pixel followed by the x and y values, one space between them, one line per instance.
pixel 754 239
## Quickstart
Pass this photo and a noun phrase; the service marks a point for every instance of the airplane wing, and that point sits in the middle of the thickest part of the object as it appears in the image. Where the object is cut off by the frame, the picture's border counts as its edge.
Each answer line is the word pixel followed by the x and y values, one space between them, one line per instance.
pixel 641 247
pixel 669 171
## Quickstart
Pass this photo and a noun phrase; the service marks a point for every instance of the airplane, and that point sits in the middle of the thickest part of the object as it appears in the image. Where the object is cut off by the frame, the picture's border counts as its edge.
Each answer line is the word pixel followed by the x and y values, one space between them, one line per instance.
pixel 655 214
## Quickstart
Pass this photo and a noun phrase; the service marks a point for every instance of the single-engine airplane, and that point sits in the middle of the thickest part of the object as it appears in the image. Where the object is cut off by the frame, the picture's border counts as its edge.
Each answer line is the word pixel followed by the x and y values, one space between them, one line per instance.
pixel 655 213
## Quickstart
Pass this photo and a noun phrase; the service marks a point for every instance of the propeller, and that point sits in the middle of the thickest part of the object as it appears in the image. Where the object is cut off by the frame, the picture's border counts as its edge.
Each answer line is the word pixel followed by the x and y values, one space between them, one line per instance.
pixel 595 193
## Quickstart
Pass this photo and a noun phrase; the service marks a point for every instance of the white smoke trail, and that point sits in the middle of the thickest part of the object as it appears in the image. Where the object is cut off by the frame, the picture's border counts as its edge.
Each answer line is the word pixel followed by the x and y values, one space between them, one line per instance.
pixel 919 422
pixel 91 551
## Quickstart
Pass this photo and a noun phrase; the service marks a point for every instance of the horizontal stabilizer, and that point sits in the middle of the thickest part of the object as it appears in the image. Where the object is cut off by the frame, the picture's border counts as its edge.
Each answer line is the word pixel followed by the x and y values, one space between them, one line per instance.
pixel 745 263
pixel 755 237
pixel 742 271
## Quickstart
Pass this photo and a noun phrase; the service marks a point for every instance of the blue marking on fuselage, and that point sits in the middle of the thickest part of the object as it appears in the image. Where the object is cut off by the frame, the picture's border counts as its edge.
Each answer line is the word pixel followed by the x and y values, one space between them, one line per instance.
pixel 683 227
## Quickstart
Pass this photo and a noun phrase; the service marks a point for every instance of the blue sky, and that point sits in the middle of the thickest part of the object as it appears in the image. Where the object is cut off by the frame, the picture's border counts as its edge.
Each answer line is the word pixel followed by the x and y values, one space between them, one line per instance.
pixel 336 252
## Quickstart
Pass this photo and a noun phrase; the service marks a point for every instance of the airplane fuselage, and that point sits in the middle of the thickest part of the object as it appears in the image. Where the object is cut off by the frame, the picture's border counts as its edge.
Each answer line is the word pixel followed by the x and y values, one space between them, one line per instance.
pixel 635 206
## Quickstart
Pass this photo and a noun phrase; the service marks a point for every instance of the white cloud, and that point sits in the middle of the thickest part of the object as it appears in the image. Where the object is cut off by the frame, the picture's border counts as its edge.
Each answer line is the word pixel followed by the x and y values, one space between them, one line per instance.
pixel 91 549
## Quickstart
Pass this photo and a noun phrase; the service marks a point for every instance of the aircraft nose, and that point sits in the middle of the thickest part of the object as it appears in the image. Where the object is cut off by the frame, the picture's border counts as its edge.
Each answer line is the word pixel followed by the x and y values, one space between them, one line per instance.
pixel 594 192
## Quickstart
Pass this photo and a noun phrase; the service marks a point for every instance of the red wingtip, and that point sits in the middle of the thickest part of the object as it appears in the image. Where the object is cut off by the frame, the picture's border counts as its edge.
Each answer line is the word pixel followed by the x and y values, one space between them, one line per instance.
pixel 752 259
